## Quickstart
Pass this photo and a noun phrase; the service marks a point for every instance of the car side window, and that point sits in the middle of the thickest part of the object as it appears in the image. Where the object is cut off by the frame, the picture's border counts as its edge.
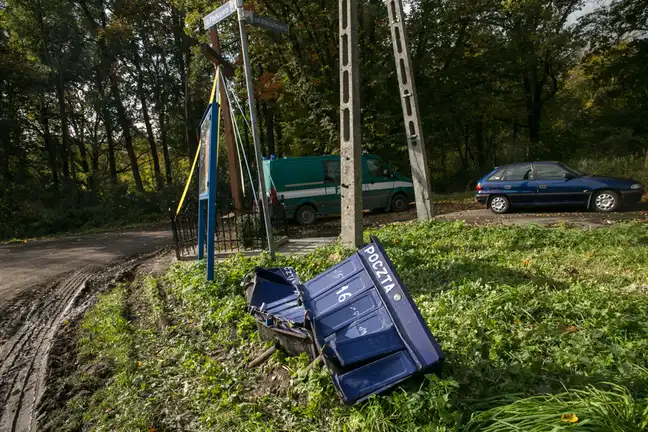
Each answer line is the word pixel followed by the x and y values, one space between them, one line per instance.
pixel 331 171
pixel 519 173
pixel 549 172
pixel 376 168
pixel 497 175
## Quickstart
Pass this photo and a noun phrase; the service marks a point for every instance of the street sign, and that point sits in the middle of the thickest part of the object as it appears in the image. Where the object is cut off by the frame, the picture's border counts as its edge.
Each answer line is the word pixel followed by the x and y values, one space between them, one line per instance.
pixel 219 14
pixel 267 23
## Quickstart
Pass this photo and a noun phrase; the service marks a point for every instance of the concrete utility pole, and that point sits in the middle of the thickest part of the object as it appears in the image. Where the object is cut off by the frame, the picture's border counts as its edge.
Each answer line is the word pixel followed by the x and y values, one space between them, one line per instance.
pixel 409 102
pixel 230 140
pixel 350 144
pixel 263 193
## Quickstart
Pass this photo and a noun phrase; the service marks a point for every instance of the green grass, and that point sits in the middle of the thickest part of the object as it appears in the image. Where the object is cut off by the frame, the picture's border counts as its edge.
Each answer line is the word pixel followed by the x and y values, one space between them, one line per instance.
pixel 534 322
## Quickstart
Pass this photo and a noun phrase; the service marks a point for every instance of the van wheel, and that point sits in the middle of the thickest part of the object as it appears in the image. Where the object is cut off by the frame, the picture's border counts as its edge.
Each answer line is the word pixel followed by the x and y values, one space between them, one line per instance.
pixel 305 215
pixel 398 203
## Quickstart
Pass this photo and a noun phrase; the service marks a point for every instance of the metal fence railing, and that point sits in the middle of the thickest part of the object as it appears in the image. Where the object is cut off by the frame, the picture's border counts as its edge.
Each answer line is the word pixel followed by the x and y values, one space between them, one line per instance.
pixel 236 230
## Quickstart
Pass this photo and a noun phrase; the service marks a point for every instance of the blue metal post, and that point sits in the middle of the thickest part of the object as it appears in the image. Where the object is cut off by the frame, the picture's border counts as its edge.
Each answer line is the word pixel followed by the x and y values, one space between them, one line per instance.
pixel 201 229
pixel 212 184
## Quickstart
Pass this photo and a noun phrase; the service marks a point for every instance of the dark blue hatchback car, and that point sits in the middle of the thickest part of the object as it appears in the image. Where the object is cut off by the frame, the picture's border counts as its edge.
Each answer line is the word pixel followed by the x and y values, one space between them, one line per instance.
pixel 554 184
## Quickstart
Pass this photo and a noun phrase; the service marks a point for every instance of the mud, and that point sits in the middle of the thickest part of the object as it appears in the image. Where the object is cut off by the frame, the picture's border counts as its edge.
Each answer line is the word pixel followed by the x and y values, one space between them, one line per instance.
pixel 37 336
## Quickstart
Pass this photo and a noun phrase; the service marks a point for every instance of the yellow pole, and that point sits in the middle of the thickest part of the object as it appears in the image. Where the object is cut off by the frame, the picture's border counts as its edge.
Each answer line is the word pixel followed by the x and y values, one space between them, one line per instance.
pixel 195 161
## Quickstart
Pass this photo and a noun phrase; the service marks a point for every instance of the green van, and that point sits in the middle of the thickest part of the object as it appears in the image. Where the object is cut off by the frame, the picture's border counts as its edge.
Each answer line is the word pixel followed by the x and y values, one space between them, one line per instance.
pixel 310 186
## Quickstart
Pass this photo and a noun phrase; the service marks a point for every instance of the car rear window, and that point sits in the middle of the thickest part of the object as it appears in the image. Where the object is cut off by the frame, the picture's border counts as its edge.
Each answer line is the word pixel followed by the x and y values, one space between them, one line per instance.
pixel 519 172
pixel 497 175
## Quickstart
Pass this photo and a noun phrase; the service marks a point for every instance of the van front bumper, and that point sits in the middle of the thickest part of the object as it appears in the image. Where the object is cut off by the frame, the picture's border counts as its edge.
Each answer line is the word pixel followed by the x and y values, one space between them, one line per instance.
pixel 481 199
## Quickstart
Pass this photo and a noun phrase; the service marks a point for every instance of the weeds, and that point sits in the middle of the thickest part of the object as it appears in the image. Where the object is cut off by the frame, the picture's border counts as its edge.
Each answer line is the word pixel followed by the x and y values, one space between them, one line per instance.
pixel 612 409
pixel 533 322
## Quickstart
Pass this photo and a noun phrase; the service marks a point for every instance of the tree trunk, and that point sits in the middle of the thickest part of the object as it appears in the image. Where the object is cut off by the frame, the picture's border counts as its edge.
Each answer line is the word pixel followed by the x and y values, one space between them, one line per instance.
pixel 165 145
pixel 466 144
pixel 443 157
pixel 5 148
pixel 534 132
pixel 182 56
pixel 111 149
pixel 532 97
pixel 493 149
pixel 124 122
pixel 269 129
pixel 280 147
pixel 106 62
pixel 108 126
pixel 79 140
pixel 65 133
pixel 95 156
pixel 50 146
pixel 260 118
pixel 6 128
pixel 159 182
pixel 83 154
pixel 479 144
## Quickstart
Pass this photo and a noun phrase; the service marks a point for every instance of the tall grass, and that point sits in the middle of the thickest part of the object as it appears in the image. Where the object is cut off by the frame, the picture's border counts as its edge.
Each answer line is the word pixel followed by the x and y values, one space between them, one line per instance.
pixel 634 167
pixel 612 409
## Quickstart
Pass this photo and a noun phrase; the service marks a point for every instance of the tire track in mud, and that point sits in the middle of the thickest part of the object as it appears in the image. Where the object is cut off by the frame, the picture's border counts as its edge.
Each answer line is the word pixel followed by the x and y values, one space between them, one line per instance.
pixel 23 357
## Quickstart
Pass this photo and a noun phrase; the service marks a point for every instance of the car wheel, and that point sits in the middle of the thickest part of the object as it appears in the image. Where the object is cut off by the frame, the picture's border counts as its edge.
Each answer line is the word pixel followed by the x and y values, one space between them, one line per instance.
pixel 306 215
pixel 606 201
pixel 499 204
pixel 398 203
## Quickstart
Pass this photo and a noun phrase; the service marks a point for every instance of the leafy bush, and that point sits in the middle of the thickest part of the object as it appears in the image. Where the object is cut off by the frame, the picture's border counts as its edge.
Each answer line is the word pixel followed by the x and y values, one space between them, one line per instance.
pixel 36 210
pixel 634 167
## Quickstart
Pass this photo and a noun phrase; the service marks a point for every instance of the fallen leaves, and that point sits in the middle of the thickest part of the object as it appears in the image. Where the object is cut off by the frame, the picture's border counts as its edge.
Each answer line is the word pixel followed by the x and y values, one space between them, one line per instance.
pixel 569 418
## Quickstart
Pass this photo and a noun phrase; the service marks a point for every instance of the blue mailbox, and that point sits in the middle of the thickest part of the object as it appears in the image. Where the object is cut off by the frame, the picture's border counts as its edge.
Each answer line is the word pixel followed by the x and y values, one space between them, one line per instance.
pixel 364 321
pixel 273 299
pixel 357 314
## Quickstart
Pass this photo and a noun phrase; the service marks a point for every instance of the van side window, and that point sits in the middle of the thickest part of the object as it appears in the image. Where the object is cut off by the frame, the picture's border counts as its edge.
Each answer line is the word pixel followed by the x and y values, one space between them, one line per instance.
pixel 331 171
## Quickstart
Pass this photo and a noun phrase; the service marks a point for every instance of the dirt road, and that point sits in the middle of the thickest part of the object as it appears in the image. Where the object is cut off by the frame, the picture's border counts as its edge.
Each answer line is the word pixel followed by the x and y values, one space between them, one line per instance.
pixel 27 264
pixel 43 284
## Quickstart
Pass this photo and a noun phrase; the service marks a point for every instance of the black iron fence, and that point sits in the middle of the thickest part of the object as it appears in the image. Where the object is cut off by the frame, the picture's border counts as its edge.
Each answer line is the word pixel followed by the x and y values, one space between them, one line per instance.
pixel 237 230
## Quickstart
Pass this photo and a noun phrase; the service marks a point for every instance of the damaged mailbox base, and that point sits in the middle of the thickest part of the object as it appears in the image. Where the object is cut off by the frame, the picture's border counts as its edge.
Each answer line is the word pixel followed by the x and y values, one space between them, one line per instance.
pixel 357 315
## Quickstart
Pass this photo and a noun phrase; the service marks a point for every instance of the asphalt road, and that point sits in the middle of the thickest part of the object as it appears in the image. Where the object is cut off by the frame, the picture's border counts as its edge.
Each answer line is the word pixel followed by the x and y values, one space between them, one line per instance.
pixel 27 264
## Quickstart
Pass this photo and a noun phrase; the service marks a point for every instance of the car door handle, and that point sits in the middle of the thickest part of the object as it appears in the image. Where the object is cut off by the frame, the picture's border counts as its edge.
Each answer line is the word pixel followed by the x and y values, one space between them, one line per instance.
pixel 542 186
pixel 507 187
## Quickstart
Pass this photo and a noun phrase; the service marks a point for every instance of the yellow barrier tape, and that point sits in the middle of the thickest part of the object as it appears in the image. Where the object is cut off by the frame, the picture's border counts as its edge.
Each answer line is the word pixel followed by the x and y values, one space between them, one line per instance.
pixel 195 161
pixel 213 90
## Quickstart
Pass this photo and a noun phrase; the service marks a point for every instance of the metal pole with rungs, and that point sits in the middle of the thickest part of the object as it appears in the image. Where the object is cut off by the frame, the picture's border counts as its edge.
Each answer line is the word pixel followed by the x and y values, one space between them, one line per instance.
pixel 350 145
pixel 409 102
pixel 263 195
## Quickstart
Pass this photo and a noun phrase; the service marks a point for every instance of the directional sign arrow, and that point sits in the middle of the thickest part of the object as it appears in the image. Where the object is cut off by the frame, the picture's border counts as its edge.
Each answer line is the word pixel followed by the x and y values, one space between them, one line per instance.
pixel 219 14
pixel 266 22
